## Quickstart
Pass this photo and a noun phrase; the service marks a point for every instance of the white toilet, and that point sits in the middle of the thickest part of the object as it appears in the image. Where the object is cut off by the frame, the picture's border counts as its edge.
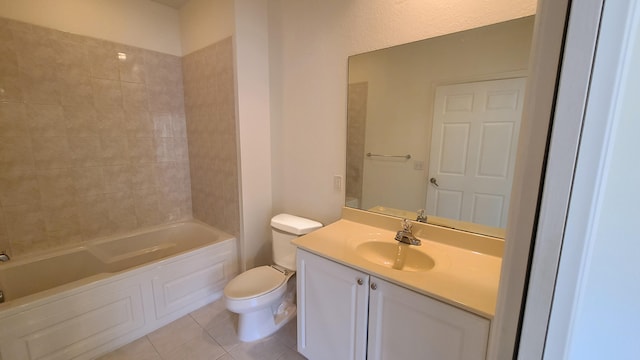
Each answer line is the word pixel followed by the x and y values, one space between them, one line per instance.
pixel 264 297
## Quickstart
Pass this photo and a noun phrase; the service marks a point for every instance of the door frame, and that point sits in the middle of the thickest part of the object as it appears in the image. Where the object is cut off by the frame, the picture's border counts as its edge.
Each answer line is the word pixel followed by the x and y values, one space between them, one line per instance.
pixel 526 196
pixel 537 224
pixel 606 25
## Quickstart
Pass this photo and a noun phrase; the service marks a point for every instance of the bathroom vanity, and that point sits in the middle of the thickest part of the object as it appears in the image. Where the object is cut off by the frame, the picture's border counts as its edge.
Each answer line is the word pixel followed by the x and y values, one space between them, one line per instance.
pixel 362 295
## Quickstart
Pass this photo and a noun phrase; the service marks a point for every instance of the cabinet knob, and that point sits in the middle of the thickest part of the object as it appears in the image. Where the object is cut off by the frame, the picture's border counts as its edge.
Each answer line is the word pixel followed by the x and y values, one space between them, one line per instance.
pixel 360 281
pixel 374 286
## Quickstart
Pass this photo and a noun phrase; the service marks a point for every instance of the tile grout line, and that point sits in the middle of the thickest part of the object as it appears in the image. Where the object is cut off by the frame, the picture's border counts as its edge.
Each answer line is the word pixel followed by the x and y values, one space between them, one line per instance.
pixel 153 346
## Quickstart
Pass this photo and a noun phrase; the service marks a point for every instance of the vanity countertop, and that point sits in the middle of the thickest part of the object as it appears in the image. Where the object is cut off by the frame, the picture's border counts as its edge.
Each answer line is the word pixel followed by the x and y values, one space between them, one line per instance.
pixel 463 277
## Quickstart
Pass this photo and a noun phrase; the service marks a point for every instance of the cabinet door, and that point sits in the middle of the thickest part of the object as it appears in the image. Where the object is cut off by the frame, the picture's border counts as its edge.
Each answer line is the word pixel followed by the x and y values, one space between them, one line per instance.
pixel 406 325
pixel 332 309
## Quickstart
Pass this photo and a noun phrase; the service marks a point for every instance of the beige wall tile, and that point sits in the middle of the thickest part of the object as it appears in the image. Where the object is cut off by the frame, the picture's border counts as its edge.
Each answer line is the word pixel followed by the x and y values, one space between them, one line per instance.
pixel 117 178
pixel 112 121
pixel 75 89
pixel 115 150
pixel 162 124
pixel 5 244
pixel 164 149
pixel 16 151
pixel 139 123
pixel 144 176
pixel 146 206
pixel 88 181
pixel 18 186
pixel 55 184
pixel 163 69
pixel 132 65
pixel 85 150
pixel 11 87
pixel 62 225
pixel 51 152
pixel 72 57
pixel 45 120
pixel 94 216
pixel 81 120
pixel 39 85
pixel 25 227
pixel 106 94
pixel 142 150
pixel 35 50
pixel 356 124
pixel 103 59
pixel 159 98
pixel 134 97
pixel 181 149
pixel 13 119
pixel 6 41
pixel 210 127
pixel 81 154
pixel 179 125
pixel 122 211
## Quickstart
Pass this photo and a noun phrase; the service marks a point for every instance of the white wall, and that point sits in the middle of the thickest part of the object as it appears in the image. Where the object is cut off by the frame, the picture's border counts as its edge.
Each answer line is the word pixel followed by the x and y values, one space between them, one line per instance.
pixel 253 116
pixel 310 43
pixel 205 22
pixel 140 23
pixel 607 319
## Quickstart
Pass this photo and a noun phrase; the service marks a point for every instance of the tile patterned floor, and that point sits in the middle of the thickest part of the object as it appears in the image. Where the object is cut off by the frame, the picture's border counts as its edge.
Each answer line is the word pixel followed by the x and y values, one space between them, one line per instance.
pixel 208 333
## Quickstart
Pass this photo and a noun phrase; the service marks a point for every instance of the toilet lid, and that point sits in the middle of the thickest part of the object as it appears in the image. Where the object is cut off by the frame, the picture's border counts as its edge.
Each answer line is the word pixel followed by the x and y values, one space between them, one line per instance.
pixel 255 282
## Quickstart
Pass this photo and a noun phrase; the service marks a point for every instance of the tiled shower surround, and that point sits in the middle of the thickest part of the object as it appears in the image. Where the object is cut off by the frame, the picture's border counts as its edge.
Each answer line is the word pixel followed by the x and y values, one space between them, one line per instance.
pixel 356 125
pixel 93 138
pixel 211 128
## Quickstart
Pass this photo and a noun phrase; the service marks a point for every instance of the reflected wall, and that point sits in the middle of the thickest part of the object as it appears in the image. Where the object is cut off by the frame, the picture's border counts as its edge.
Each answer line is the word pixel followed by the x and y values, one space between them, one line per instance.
pixel 399 105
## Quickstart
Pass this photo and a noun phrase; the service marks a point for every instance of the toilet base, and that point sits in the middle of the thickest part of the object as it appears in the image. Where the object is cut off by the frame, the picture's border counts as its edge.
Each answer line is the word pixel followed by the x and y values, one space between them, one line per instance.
pixel 259 324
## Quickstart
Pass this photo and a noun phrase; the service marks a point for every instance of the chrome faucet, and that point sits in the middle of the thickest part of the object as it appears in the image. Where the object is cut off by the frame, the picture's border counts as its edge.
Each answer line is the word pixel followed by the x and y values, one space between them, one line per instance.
pixel 3 256
pixel 421 216
pixel 405 235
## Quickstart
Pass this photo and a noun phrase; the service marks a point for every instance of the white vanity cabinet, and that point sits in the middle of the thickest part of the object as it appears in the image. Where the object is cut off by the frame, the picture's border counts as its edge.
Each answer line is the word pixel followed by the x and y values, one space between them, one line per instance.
pixel 348 314
pixel 333 303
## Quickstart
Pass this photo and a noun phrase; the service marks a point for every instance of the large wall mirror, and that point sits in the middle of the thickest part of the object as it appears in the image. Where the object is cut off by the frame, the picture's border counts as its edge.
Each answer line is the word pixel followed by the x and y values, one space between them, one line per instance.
pixel 434 125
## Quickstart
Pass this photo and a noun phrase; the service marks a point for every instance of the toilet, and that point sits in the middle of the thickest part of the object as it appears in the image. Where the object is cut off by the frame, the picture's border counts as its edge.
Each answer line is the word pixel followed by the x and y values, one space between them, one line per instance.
pixel 264 297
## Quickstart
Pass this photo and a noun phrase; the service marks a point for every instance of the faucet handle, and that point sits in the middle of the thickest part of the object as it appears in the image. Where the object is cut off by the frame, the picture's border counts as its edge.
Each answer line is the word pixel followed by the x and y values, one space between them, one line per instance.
pixel 406 225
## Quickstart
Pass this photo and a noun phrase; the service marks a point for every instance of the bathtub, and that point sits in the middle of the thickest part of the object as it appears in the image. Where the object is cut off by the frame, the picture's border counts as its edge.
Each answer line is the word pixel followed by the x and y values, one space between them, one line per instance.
pixel 84 301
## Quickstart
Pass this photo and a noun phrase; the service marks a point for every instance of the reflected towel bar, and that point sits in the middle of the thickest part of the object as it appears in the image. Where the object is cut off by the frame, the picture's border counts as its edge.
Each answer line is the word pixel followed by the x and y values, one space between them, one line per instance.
pixel 408 156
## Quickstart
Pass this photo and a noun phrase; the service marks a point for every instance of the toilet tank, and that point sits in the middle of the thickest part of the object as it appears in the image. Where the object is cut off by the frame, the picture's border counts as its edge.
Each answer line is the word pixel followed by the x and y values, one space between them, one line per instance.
pixel 284 228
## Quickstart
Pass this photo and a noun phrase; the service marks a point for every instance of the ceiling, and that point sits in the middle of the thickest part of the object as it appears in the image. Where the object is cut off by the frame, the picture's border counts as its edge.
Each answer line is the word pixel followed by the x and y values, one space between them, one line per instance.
pixel 176 4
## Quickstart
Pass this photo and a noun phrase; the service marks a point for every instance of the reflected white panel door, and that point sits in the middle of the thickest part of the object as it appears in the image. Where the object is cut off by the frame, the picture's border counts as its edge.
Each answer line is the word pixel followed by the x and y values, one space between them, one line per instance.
pixel 473 150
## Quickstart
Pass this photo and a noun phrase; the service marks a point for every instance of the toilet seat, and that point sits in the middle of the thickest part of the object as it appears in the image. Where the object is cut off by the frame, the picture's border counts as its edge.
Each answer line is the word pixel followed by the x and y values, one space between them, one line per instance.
pixel 254 283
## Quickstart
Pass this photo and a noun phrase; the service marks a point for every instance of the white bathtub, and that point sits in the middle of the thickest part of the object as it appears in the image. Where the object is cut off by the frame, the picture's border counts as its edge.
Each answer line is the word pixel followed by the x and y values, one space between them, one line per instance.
pixel 82 302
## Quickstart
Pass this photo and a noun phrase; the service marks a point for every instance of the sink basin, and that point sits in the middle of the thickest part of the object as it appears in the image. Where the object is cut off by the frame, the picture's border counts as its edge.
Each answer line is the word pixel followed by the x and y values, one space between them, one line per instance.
pixel 395 256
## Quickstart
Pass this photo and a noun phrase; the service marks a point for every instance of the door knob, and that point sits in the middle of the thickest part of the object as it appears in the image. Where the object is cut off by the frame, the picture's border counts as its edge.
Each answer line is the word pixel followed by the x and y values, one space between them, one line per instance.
pixel 434 181
pixel 360 281
pixel 374 286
